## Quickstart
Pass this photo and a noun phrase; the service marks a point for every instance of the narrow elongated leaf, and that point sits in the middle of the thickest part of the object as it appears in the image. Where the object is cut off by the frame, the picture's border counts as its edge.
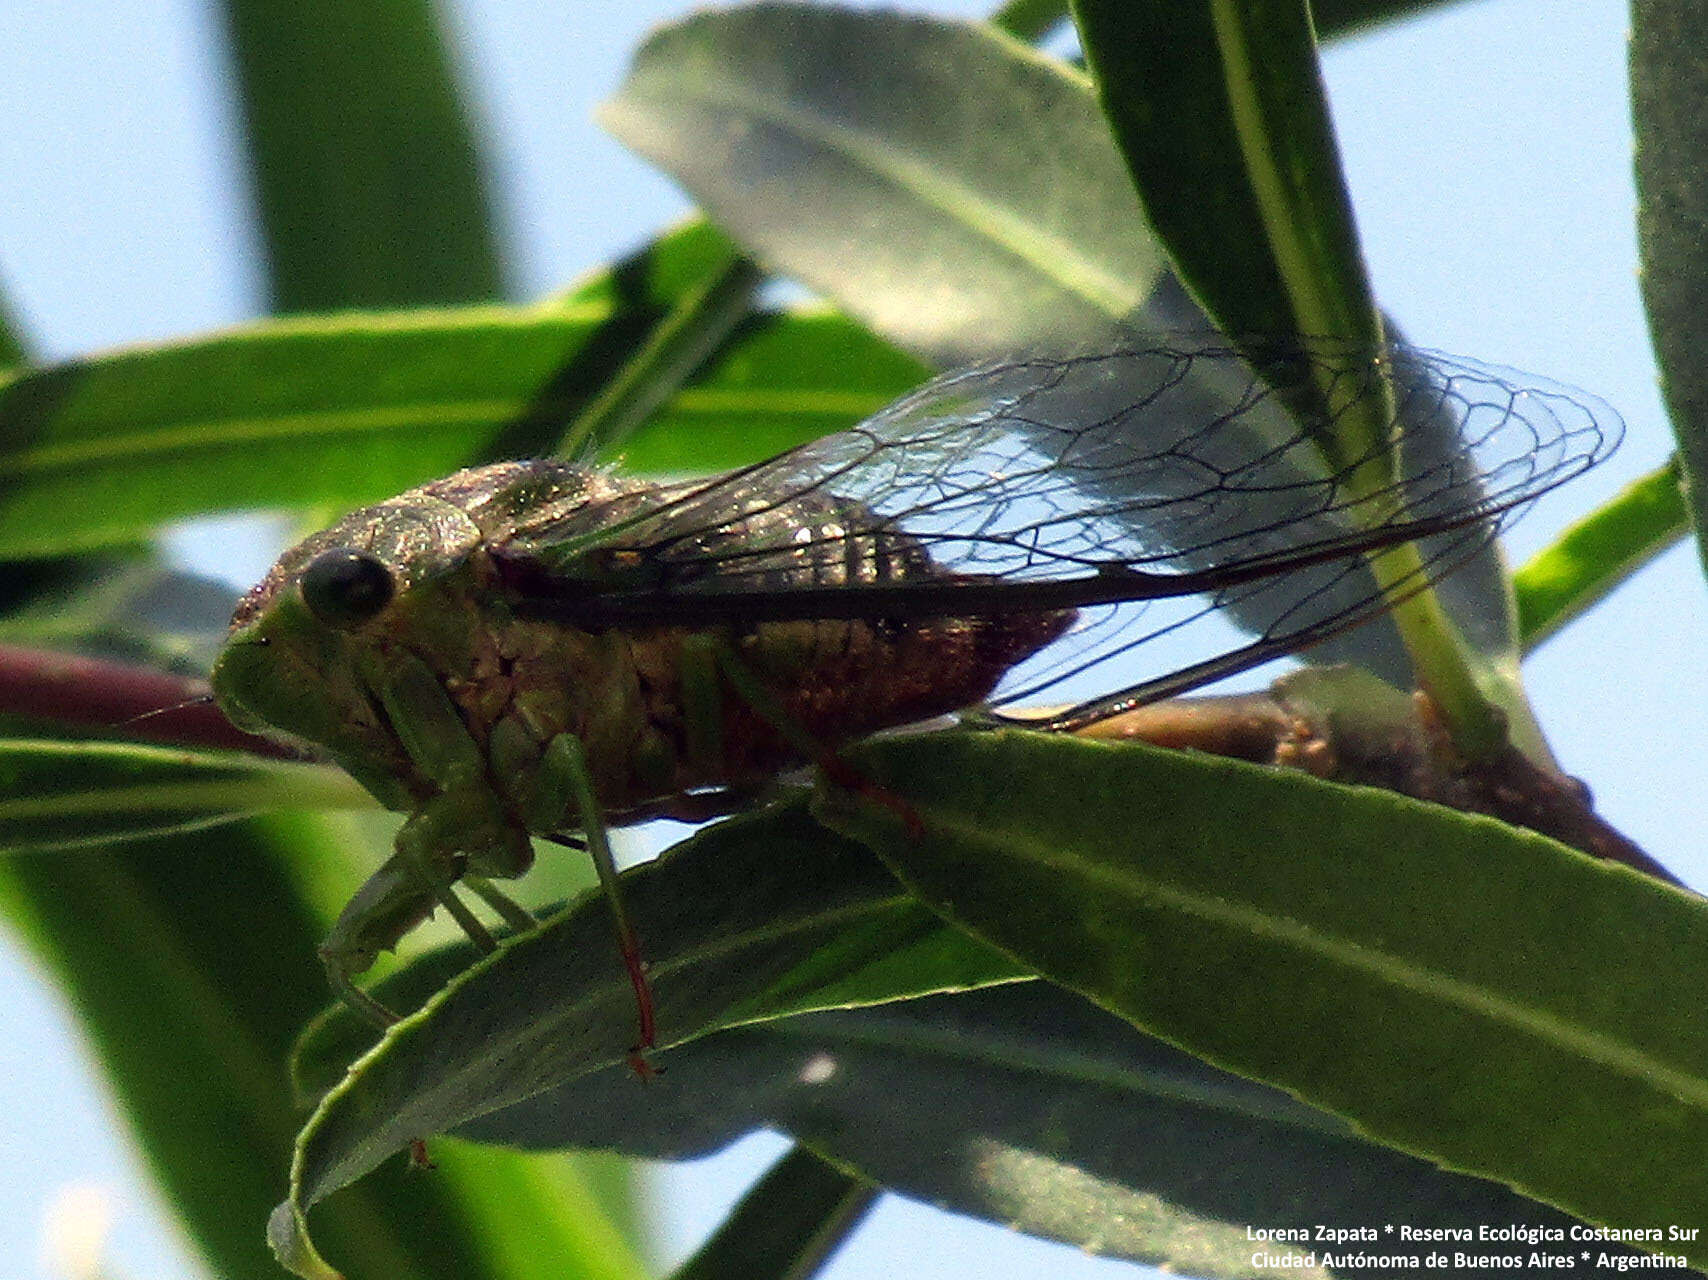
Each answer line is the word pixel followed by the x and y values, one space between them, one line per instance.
pixel 1226 97
pixel 1344 17
pixel 1030 18
pixel 1599 552
pixel 191 961
pixel 786 1225
pixel 1221 115
pixel 1457 988
pixel 1668 83
pixel 120 605
pixel 64 795
pixel 1024 1105
pixel 896 164
pixel 707 303
pixel 368 180
pixel 783 380
pixel 340 410
pixel 13 352
pixel 752 919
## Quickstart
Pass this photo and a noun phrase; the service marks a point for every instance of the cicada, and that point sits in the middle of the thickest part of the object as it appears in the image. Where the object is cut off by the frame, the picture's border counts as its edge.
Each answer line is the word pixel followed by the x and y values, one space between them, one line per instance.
pixel 530 649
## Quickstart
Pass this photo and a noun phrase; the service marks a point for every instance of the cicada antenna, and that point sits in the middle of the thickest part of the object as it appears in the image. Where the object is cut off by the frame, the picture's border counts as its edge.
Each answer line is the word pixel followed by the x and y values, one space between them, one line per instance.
pixel 200 700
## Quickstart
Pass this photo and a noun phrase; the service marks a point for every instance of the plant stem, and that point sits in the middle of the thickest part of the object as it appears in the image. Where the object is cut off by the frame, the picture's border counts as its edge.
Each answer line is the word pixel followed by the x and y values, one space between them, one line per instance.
pixel 139 701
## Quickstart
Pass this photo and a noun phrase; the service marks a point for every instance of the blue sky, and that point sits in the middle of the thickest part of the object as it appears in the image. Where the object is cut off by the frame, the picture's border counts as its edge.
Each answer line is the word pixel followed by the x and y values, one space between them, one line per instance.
pixel 1488 152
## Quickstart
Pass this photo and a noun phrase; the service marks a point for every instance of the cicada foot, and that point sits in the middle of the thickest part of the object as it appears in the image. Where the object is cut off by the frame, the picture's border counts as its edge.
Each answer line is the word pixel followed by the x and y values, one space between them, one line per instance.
pixel 341 980
pixel 389 904
pixel 644 1016
pixel 394 900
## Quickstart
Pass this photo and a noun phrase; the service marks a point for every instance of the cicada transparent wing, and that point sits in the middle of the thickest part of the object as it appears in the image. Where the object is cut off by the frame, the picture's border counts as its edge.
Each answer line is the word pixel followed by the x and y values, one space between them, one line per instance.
pixel 1150 489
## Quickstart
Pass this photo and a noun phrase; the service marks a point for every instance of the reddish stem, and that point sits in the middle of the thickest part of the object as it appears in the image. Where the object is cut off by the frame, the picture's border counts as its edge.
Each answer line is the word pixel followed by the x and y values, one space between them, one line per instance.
pixel 138 701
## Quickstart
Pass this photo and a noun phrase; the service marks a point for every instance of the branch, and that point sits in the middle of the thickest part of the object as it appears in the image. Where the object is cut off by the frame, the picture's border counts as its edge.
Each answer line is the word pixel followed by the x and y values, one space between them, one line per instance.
pixel 136 701
pixel 1414 757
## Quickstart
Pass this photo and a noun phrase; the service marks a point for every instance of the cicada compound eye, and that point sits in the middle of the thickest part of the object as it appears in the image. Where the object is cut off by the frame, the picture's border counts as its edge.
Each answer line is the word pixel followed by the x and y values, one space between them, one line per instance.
pixel 344 587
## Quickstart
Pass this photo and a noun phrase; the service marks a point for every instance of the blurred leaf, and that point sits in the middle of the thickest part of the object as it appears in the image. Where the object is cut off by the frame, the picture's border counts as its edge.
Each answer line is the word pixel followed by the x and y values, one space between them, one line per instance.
pixel 1669 82
pixel 752 919
pixel 1028 1107
pixel 785 379
pixel 645 284
pixel 347 409
pixel 895 164
pixel 1599 552
pixel 787 1224
pixel 13 350
pixel 368 180
pixel 127 607
pixel 705 308
pixel 1029 20
pixel 67 795
pixel 1347 17
pixel 1472 993
pixel 191 962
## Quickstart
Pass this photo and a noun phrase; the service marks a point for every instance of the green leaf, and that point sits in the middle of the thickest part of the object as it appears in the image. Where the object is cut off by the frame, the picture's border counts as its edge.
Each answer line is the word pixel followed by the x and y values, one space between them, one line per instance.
pixel 786 1225
pixel 1020 1104
pixel 1220 111
pixel 340 410
pixel 784 380
pixel 1471 993
pixel 368 180
pixel 13 351
pixel 944 183
pixel 1029 20
pixel 706 306
pixel 191 960
pixel 66 795
pixel 752 919
pixel 1669 81
pixel 1345 17
pixel 1599 552
pixel 685 295
pixel 1226 97
pixel 121 605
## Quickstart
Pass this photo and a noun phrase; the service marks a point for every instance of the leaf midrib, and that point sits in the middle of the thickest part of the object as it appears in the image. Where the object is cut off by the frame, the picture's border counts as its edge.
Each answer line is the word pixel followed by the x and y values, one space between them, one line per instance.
pixel 1360 957
pixel 1052 257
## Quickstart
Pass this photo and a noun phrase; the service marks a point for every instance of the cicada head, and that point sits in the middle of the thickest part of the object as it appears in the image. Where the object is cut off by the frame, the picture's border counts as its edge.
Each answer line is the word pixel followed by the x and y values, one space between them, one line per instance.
pixel 386 578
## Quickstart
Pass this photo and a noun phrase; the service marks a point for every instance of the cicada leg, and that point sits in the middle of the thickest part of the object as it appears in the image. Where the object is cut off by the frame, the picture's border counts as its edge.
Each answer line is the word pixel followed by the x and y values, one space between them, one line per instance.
pixel 566 760
pixel 510 911
pixel 463 823
pixel 408 887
